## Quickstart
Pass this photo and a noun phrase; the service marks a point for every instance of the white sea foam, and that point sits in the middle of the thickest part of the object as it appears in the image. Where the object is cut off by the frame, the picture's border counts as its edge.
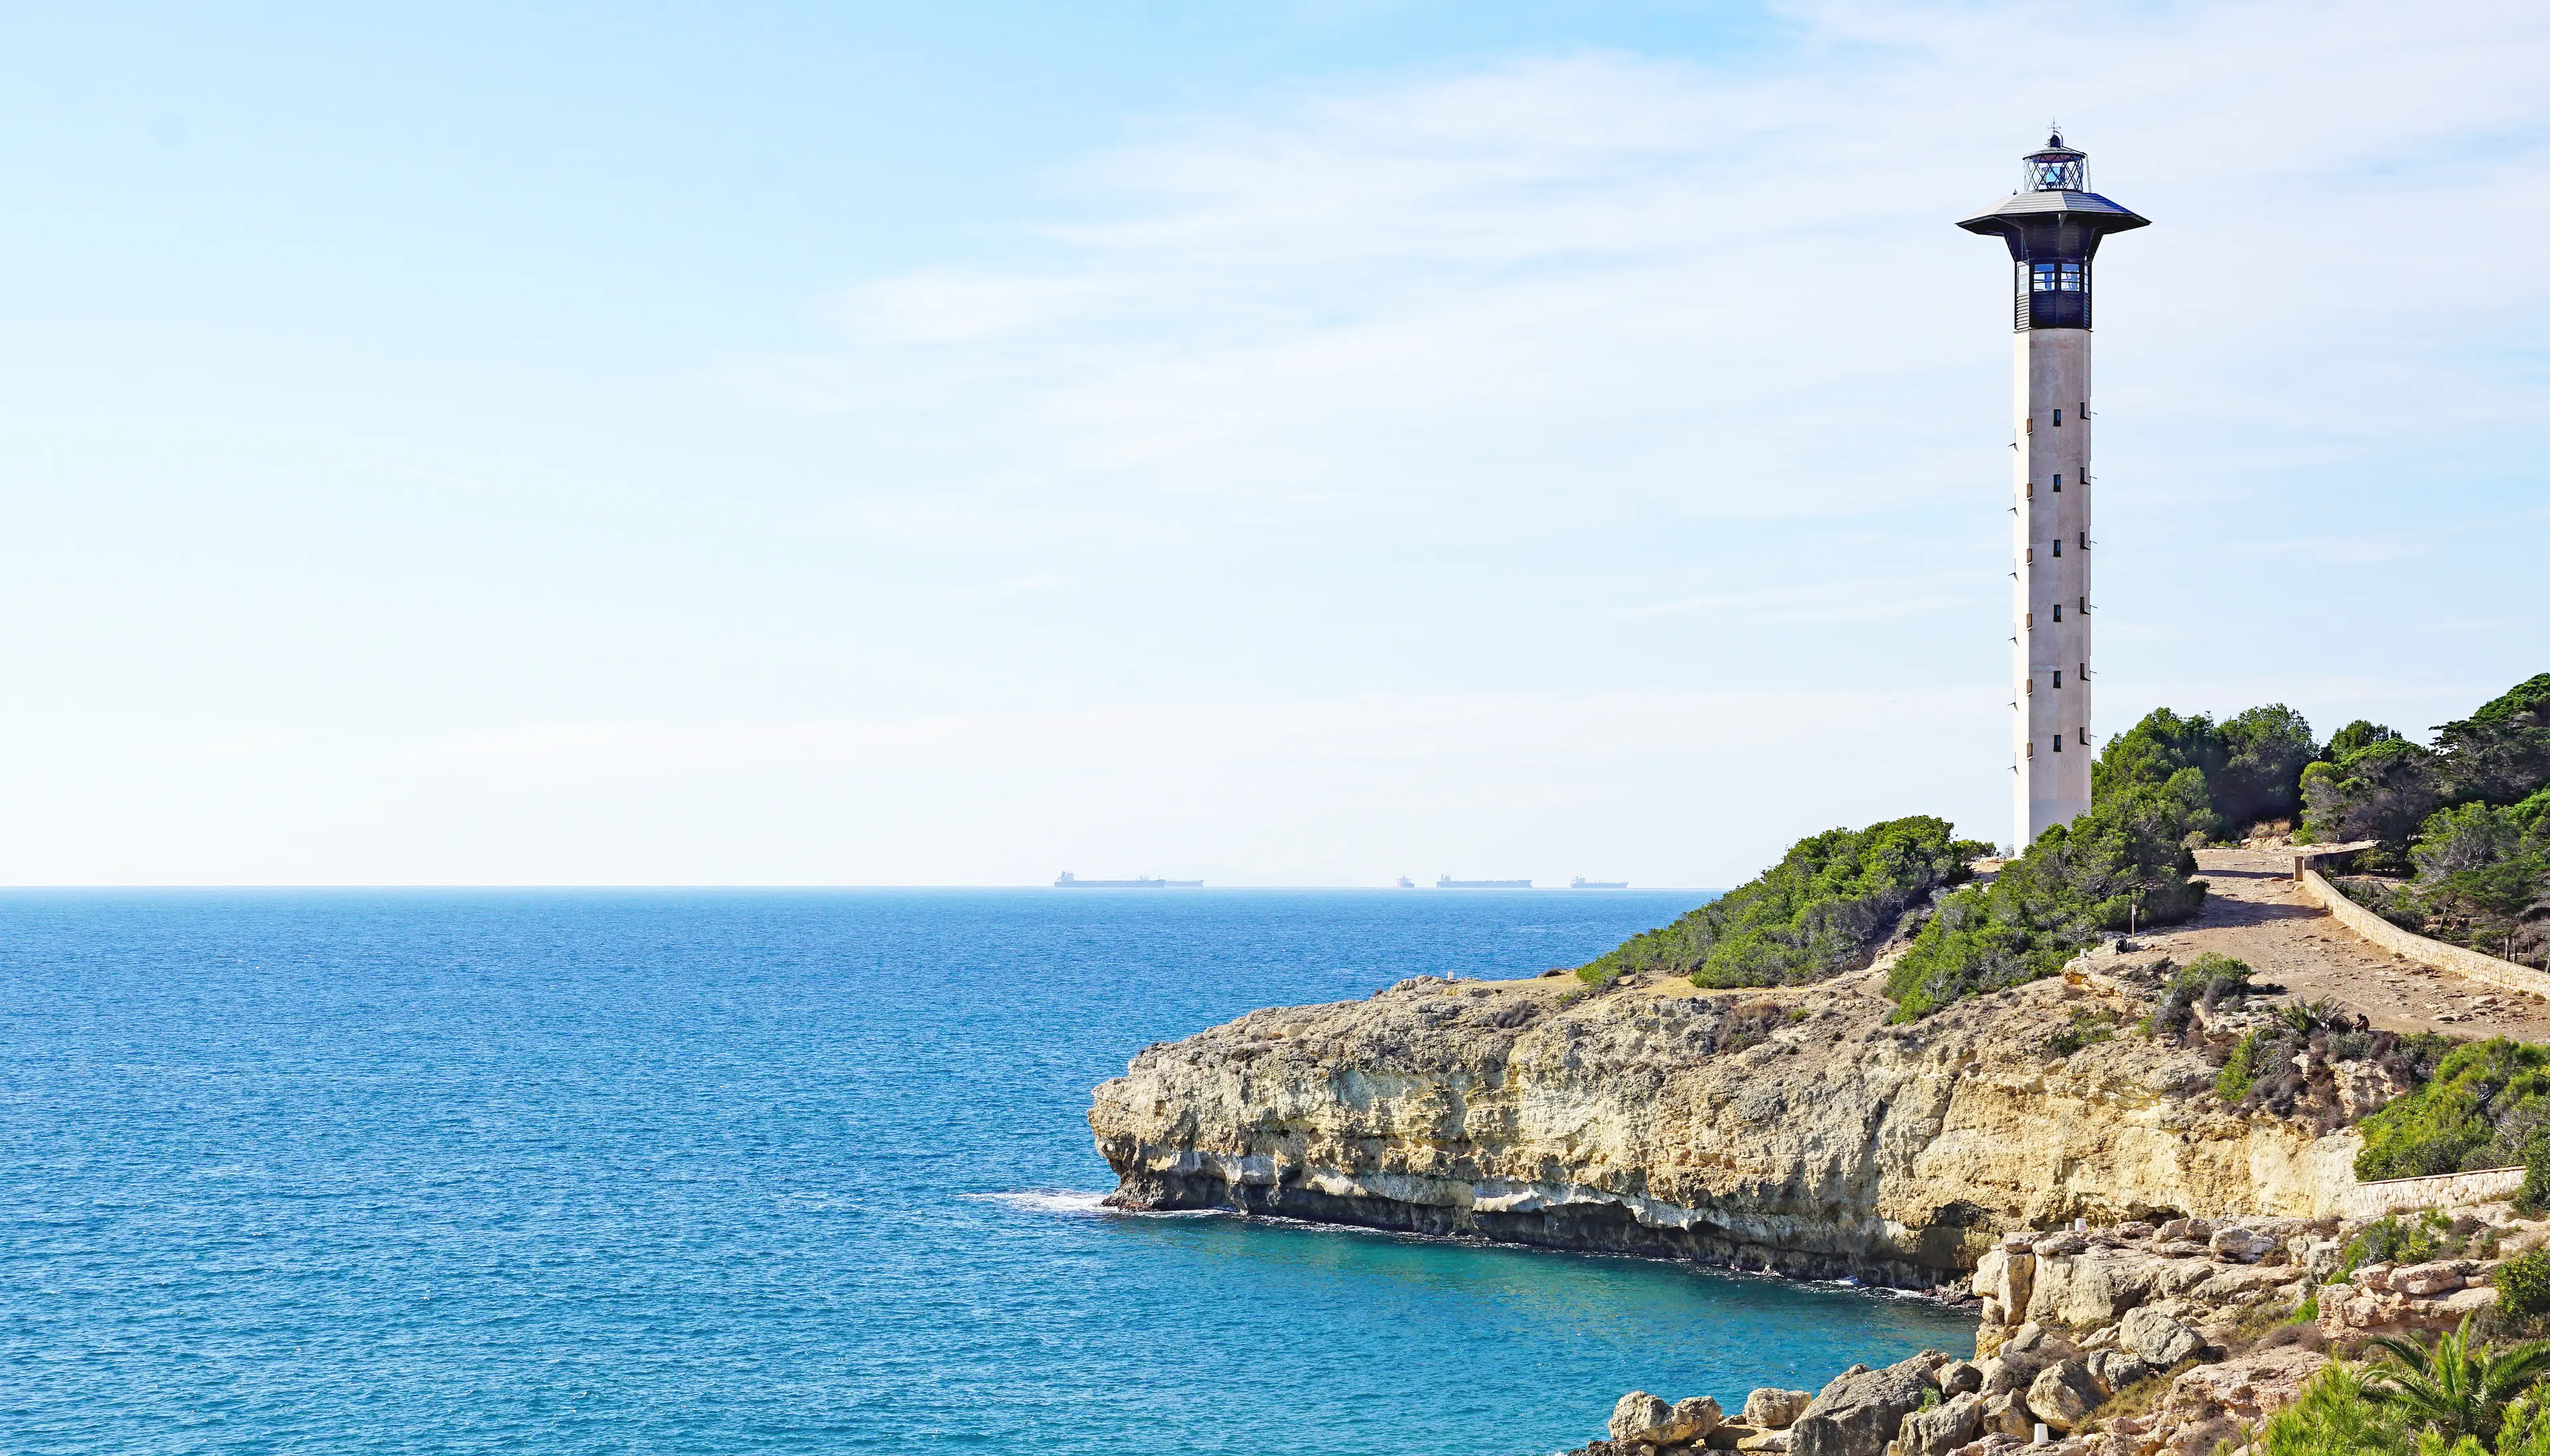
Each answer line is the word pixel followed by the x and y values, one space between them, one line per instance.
pixel 1048 1201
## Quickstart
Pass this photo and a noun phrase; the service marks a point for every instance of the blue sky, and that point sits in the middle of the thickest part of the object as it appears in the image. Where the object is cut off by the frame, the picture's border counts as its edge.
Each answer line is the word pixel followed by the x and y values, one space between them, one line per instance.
pixel 1283 444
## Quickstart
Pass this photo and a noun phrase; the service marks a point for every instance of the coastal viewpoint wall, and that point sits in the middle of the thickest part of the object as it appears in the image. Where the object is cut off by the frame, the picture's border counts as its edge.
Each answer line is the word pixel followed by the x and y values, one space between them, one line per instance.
pixel 2441 1190
pixel 1796 1130
pixel 2506 975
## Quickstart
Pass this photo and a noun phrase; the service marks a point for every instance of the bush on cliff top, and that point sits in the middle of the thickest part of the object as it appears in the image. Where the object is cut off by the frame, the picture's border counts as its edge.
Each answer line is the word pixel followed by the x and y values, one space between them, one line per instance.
pixel 2479 1111
pixel 2124 861
pixel 1820 911
pixel 2253 763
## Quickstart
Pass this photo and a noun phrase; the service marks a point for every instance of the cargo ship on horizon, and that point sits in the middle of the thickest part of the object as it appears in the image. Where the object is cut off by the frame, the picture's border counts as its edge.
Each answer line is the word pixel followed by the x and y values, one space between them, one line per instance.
pixel 1069 881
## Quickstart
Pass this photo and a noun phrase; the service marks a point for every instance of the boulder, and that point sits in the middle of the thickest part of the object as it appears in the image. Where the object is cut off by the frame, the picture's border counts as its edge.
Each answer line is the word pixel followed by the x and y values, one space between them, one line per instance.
pixel 1769 1440
pixel 2010 1370
pixel 1860 1410
pixel 1957 1378
pixel 1942 1428
pixel 2093 1287
pixel 2114 1369
pixel 2035 1339
pixel 2006 1276
pixel 1641 1418
pixel 2156 1339
pixel 2060 1245
pixel 2192 1231
pixel 2426 1278
pixel 2063 1395
pixel 2243 1245
pixel 2006 1414
pixel 1636 1413
pixel 1773 1409
pixel 2212 1404
pixel 2374 1275
pixel 1693 1420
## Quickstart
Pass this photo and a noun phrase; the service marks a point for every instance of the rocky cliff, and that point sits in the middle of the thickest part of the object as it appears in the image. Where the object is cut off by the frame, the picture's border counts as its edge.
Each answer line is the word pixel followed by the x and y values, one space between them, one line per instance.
pixel 1791 1129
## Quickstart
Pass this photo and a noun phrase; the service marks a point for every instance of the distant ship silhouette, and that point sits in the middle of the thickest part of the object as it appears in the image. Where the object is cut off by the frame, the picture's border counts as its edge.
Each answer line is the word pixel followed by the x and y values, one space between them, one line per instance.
pixel 1070 881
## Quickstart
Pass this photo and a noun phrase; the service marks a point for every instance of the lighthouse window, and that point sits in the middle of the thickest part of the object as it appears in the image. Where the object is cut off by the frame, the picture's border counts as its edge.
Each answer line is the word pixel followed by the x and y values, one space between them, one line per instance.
pixel 2058 417
pixel 2058 679
pixel 2031 751
pixel 2055 278
pixel 2058 746
pixel 2058 480
pixel 2058 612
pixel 2058 545
pixel 2085 738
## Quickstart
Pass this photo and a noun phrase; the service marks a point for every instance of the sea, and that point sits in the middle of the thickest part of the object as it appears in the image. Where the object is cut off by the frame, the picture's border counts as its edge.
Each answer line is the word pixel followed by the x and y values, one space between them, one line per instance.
pixel 765 1171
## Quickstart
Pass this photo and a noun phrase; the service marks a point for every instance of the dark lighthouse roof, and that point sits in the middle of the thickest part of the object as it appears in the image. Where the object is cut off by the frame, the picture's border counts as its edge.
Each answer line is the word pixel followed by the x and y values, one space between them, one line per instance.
pixel 2052 225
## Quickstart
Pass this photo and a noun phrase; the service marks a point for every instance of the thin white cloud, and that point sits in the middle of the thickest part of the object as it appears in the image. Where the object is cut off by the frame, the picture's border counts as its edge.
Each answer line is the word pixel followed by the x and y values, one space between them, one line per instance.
pixel 1660 285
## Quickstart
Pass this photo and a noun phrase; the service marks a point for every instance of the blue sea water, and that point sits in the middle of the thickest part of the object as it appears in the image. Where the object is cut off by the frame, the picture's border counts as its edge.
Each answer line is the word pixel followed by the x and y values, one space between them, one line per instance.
pixel 711 1172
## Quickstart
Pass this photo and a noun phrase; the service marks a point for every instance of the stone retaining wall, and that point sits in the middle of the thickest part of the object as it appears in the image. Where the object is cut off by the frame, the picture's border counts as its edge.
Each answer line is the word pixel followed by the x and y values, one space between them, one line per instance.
pixel 2443 1190
pixel 2504 975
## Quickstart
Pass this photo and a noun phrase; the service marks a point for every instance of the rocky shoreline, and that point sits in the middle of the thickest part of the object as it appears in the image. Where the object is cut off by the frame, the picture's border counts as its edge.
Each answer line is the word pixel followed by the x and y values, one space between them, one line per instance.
pixel 2174 1340
pixel 2155 1270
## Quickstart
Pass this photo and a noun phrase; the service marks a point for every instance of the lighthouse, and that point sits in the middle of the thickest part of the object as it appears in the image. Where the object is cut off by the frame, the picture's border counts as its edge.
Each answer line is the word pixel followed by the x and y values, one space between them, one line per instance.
pixel 2052 224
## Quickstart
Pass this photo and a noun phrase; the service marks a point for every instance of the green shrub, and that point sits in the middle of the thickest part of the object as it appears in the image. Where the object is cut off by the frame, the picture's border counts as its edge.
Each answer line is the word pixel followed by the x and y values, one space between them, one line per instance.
pixel 2381 791
pixel 2333 1419
pixel 2251 764
pixel 1822 911
pixel 2390 1240
pixel 2089 1027
pixel 2523 1284
pixel 2533 1199
pixel 2232 1084
pixel 2121 862
pixel 2480 1110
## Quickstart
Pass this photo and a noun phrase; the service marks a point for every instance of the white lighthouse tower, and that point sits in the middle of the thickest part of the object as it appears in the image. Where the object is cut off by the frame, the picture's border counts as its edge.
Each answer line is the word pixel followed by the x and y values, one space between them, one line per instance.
pixel 2053 224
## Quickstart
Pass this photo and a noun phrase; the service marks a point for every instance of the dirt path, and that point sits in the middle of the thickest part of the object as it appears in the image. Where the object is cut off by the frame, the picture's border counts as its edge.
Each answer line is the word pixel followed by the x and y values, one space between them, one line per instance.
pixel 2256 913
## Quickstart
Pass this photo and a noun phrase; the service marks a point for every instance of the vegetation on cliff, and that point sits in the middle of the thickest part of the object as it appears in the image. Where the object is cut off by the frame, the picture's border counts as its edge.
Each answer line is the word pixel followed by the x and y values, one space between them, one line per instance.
pixel 1823 909
pixel 2124 862
pixel 2484 1105
pixel 2468 819
pixel 2457 1395
pixel 2251 763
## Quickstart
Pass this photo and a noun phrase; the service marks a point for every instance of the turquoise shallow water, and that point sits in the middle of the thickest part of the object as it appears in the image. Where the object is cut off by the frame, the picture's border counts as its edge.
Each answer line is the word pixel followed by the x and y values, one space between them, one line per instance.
pixel 757 1172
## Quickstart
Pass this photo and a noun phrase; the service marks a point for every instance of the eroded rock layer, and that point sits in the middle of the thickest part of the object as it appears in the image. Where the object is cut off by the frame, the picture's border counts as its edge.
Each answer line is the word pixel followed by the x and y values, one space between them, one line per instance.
pixel 1793 1129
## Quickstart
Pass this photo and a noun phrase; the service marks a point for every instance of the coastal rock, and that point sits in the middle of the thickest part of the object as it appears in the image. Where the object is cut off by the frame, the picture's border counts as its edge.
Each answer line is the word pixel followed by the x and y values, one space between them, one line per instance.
pixel 2063 1395
pixel 2006 1413
pixel 2212 1404
pixel 1773 1409
pixel 1644 1419
pixel 2156 1339
pixel 1942 1428
pixel 2114 1369
pixel 2426 1278
pixel 1793 1129
pixel 1860 1410
pixel 1957 1378
pixel 2243 1245
pixel 1638 1413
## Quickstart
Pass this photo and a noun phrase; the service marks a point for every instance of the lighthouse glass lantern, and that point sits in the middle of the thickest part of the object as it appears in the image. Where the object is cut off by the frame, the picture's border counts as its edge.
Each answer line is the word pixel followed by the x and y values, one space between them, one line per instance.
pixel 2052 225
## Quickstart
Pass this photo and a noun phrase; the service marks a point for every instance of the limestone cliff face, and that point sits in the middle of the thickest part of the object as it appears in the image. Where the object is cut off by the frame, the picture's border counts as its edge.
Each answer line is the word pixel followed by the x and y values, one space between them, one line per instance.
pixel 1791 1129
